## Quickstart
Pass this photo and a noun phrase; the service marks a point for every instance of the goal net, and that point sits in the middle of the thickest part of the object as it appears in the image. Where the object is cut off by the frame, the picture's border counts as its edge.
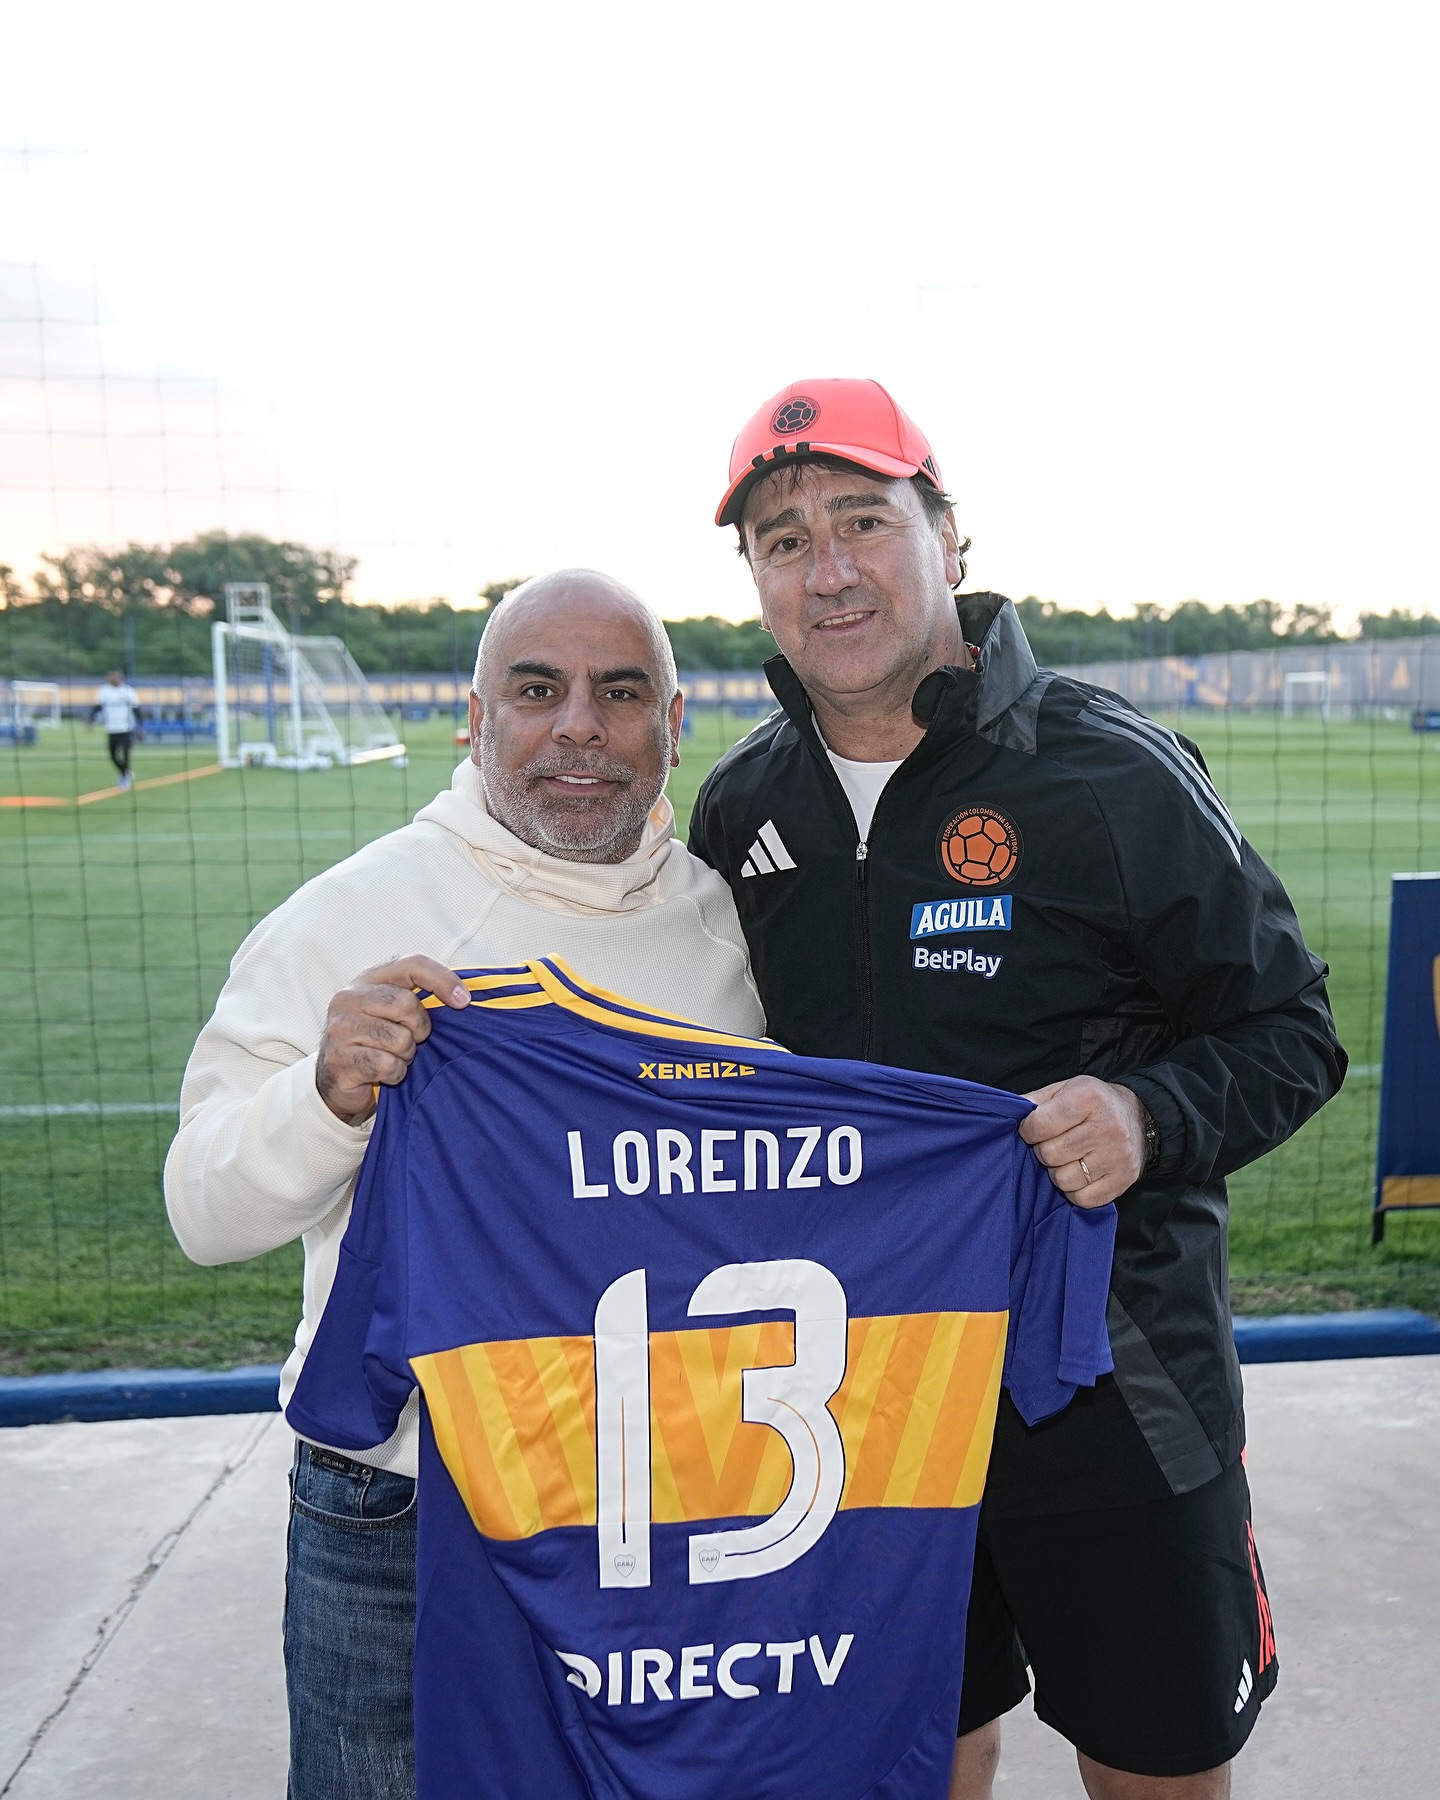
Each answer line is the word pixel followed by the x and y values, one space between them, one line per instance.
pixel 26 705
pixel 35 702
pixel 1307 691
pixel 290 702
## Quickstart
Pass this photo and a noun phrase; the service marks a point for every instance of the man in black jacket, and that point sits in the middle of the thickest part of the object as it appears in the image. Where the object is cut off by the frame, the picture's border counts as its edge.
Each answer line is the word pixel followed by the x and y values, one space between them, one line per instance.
pixel 947 859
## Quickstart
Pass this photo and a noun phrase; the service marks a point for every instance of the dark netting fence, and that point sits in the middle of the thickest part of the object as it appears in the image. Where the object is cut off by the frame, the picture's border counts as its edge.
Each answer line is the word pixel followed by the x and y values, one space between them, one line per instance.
pixel 304 727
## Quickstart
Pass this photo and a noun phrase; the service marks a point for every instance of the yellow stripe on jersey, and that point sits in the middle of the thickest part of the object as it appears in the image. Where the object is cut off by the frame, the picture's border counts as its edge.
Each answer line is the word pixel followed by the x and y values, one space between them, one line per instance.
pixel 515 1421
pixel 550 981
pixel 604 1008
pixel 481 986
pixel 709 1464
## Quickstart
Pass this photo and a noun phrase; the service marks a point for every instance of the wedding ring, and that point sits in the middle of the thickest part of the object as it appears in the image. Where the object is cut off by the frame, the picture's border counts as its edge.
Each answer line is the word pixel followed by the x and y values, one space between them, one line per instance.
pixel 1085 1170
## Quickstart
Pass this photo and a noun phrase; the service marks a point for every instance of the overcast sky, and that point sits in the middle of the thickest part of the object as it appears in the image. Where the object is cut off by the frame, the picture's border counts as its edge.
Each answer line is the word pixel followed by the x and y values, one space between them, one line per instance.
pixel 475 290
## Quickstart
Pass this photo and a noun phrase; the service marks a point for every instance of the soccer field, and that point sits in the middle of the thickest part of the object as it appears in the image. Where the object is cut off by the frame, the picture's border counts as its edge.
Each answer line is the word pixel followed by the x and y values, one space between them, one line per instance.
pixel 118 918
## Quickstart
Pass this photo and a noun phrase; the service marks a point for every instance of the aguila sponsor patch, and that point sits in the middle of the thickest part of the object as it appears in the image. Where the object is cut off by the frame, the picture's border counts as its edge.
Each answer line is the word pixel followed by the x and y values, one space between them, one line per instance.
pixel 979 846
pixel 942 918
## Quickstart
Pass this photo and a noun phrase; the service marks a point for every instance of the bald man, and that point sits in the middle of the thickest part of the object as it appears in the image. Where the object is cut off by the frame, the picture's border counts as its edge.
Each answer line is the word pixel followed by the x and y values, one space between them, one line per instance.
pixel 553 838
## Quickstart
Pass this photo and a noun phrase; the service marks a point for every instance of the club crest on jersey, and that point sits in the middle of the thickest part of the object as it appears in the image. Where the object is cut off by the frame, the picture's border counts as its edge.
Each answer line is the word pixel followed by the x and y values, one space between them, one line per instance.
pixel 979 846
pixel 942 918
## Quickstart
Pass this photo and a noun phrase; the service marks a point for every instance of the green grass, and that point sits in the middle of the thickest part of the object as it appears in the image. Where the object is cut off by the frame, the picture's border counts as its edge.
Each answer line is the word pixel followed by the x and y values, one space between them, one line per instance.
pixel 118 920
pixel 1336 809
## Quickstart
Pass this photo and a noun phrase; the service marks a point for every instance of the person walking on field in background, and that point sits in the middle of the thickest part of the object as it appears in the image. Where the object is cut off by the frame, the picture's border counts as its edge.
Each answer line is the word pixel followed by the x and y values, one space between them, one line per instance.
pixel 947 859
pixel 117 706
pixel 554 837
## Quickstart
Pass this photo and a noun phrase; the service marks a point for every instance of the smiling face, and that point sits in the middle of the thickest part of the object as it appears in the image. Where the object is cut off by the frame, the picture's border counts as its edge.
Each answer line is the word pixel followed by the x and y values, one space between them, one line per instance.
pixel 576 718
pixel 854 583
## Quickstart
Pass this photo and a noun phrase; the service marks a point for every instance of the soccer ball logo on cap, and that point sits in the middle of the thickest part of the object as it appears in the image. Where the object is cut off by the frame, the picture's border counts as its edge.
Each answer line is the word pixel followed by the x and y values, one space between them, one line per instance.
pixel 794 416
pixel 979 847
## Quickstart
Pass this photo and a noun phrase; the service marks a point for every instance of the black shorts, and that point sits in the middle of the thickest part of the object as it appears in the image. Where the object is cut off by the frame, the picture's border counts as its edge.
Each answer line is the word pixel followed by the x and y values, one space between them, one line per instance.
pixel 1148 1628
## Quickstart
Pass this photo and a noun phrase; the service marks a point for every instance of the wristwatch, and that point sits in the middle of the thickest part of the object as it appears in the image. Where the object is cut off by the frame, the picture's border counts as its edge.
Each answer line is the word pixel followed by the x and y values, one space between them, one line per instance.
pixel 1152 1138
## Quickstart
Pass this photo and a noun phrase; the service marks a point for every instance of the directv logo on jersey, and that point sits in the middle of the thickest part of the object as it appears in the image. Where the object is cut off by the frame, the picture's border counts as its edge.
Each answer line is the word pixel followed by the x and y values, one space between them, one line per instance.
pixel 650 1670
pixel 939 918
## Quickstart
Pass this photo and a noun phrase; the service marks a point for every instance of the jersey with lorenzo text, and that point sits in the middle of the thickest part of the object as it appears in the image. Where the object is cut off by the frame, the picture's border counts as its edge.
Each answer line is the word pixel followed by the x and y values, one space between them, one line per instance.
pixel 709 1339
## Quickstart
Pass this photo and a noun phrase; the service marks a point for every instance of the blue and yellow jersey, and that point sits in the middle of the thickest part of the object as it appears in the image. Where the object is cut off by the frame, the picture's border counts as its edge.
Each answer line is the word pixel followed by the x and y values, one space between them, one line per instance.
pixel 709 1339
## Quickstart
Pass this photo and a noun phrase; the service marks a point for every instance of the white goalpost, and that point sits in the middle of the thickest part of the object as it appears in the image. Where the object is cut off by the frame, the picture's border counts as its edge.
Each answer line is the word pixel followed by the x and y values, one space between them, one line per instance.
pixel 35 703
pixel 1307 692
pixel 290 702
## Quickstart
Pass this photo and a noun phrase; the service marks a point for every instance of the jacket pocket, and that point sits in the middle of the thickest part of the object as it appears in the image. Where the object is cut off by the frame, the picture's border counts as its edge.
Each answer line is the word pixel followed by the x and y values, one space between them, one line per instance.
pixel 1119 1046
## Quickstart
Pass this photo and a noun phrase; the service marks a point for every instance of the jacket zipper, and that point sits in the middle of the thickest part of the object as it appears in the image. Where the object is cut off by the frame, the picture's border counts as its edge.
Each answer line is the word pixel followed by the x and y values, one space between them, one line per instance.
pixel 867 997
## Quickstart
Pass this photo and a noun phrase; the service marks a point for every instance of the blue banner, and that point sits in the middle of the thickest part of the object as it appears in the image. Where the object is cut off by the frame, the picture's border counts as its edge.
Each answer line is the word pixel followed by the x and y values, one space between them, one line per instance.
pixel 1408 1166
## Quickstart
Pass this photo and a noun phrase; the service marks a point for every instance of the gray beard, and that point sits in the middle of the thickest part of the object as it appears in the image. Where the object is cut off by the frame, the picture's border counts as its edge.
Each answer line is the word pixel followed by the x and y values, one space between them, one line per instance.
pixel 597 831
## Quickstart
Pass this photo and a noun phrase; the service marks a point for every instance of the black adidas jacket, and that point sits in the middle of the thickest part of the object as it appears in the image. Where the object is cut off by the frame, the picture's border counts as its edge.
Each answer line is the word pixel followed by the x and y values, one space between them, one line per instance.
pixel 1051 887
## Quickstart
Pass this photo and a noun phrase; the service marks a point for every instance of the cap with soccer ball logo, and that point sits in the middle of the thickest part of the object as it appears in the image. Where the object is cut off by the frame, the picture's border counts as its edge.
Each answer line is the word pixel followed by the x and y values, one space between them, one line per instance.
pixel 856 420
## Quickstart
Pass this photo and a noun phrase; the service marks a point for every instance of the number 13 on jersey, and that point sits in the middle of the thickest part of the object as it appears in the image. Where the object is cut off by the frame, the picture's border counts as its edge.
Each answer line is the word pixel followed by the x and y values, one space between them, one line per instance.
pixel 790 1398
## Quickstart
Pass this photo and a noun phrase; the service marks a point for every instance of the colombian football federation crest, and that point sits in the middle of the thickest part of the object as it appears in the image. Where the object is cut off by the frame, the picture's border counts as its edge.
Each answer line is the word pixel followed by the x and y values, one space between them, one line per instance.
pixel 794 416
pixel 980 847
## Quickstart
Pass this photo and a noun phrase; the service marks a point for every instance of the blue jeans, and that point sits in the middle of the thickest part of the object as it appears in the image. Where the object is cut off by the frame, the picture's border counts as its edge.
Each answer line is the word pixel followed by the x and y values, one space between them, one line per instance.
pixel 349 1630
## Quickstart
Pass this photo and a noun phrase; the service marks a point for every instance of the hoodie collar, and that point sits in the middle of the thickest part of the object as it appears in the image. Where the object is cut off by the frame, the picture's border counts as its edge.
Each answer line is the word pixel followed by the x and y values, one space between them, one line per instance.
pixel 551 881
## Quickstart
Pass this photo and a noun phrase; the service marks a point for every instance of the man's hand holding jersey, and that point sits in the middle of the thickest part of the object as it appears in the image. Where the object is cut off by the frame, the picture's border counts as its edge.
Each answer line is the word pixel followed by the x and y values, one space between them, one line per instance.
pixel 1090 1135
pixel 373 1029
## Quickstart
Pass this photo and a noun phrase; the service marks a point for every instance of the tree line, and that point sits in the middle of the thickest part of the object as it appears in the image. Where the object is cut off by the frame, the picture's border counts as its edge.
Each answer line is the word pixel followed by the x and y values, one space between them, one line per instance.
pixel 1066 635
pixel 148 610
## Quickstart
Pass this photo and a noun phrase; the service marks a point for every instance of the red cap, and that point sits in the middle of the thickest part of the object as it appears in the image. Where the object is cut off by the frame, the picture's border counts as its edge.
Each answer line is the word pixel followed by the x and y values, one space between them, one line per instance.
pixel 854 419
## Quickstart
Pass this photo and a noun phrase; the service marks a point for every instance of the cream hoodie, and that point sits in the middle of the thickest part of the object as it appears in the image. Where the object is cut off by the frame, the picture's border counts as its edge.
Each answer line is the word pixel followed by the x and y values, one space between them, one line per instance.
pixel 260 1160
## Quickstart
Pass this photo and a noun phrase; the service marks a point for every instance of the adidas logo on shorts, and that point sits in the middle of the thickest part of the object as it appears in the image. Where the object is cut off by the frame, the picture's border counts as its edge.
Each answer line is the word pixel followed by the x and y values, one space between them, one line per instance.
pixel 768 853
pixel 1247 1684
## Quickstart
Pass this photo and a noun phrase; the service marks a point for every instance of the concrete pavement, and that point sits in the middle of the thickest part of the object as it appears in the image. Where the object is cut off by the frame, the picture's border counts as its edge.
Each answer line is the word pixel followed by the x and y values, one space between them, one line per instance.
pixel 143 1571
pixel 1344 1463
pixel 141 1565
